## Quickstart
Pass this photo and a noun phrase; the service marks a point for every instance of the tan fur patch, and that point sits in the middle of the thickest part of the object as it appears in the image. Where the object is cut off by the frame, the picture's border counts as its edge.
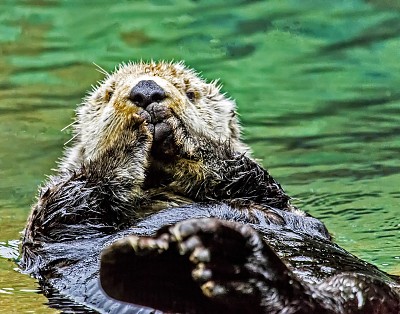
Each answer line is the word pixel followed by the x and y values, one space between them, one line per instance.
pixel 192 167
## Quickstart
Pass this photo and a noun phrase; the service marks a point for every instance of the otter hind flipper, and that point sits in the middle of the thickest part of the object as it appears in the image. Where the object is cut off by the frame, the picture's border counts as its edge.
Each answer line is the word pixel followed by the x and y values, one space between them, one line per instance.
pixel 199 266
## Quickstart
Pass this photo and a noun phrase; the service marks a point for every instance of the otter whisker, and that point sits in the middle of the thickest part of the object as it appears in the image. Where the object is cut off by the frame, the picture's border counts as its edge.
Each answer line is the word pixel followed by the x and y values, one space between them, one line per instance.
pixel 100 69
pixel 71 139
pixel 66 127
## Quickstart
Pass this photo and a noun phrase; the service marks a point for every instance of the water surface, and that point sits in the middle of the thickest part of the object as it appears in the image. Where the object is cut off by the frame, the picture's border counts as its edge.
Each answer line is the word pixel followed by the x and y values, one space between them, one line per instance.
pixel 316 82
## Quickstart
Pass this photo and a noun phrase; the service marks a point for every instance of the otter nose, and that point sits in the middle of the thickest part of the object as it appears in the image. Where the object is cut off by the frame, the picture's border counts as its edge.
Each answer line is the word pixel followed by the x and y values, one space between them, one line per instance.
pixel 146 92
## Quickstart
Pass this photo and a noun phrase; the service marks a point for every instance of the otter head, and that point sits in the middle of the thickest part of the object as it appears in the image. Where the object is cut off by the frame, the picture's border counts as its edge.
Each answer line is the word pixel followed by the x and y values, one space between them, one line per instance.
pixel 155 92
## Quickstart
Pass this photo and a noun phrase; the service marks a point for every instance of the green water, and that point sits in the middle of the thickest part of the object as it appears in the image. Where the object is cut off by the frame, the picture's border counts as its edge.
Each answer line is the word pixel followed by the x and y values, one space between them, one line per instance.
pixel 317 85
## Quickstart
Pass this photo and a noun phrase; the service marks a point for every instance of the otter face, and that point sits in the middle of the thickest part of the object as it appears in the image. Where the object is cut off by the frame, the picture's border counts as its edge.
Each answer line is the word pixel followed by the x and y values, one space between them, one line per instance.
pixel 158 93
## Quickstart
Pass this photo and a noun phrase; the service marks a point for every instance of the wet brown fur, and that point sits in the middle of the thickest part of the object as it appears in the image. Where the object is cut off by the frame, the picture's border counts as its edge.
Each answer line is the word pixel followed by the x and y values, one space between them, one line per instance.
pixel 209 119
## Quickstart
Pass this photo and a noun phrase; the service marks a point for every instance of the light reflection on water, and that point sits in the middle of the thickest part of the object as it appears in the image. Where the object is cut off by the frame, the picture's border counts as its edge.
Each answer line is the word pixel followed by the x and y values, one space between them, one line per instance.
pixel 317 88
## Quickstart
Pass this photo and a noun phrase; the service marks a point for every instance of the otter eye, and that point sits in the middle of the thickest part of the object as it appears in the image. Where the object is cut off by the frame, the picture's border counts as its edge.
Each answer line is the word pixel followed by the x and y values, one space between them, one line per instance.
pixel 191 96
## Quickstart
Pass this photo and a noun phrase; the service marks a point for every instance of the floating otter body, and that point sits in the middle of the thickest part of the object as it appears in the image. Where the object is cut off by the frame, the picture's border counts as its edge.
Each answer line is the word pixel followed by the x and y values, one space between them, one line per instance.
pixel 159 180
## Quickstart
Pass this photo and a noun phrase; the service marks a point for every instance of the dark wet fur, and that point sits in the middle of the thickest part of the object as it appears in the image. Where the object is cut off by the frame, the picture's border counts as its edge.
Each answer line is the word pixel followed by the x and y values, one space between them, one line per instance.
pixel 145 183
pixel 69 266
pixel 80 214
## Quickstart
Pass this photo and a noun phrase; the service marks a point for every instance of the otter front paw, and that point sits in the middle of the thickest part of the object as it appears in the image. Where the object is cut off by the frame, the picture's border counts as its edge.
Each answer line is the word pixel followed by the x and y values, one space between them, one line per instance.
pixel 126 149
pixel 200 265
pixel 172 139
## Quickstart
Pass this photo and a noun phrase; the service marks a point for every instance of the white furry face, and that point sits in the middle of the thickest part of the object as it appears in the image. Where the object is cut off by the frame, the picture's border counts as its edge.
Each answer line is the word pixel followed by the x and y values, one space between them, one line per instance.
pixel 199 105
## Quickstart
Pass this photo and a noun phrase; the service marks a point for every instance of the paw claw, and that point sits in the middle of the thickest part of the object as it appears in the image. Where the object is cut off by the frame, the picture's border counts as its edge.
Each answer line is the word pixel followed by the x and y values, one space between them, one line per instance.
pixel 183 230
pixel 189 245
pixel 133 242
pixel 212 290
pixel 200 255
pixel 201 273
pixel 143 246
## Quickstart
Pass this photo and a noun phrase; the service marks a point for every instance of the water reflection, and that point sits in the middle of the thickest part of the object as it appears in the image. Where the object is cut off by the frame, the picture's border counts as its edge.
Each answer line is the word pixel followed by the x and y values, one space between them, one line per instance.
pixel 317 87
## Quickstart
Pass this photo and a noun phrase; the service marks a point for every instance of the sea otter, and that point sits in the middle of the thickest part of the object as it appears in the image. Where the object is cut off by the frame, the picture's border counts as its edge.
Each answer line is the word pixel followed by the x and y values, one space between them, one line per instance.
pixel 159 206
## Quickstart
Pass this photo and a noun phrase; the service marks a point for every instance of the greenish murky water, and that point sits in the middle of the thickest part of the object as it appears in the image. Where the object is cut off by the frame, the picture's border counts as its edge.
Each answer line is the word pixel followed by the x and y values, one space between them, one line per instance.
pixel 317 84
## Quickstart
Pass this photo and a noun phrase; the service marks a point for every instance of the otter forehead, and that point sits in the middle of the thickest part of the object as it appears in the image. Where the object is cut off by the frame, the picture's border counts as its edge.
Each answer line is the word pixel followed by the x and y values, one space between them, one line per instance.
pixel 175 73
pixel 178 87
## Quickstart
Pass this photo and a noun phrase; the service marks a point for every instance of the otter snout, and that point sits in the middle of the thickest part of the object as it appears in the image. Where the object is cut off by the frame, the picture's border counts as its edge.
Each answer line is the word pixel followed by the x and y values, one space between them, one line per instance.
pixel 146 92
pixel 148 95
